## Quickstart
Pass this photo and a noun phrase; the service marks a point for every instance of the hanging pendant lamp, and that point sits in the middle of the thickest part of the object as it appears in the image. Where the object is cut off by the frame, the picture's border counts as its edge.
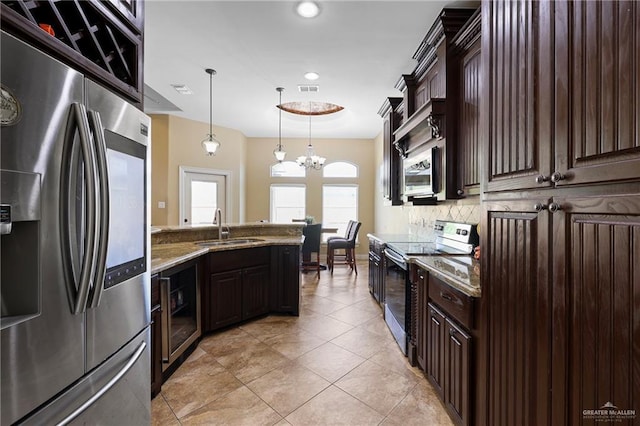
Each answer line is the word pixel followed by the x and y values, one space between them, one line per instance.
pixel 279 152
pixel 311 160
pixel 210 143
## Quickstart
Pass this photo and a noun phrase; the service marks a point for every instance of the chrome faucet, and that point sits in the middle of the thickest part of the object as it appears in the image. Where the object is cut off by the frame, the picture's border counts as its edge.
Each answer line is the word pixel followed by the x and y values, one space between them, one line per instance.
pixel 218 220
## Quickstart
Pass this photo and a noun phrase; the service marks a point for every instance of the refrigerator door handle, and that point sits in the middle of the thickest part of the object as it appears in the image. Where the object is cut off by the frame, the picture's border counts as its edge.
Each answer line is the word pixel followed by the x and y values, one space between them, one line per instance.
pixel 103 221
pixel 134 358
pixel 90 210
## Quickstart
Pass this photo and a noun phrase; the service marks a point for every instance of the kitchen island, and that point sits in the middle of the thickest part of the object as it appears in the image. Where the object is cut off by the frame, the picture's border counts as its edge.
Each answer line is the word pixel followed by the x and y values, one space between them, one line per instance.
pixel 201 283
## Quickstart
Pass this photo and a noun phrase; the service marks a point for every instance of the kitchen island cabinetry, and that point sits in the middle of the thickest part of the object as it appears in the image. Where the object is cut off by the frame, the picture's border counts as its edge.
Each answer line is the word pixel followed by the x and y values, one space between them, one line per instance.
pixel 156 336
pixel 238 286
pixel 285 279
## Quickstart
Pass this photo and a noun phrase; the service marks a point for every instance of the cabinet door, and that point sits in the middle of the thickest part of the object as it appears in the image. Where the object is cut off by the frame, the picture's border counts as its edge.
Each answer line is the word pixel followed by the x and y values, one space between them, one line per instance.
pixel 596 324
pixel 285 284
pixel 435 348
pixel 457 373
pixel 225 303
pixel 597 91
pixel 156 336
pixel 515 318
pixel 422 319
pixel 255 291
pixel 374 276
pixel 516 53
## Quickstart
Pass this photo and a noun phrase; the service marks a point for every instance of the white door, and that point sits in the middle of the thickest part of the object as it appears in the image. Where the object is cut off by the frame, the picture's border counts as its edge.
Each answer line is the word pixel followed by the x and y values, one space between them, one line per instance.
pixel 202 193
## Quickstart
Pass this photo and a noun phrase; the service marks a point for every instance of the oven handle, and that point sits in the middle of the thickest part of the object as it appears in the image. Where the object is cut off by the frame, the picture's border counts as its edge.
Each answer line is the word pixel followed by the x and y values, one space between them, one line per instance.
pixel 395 258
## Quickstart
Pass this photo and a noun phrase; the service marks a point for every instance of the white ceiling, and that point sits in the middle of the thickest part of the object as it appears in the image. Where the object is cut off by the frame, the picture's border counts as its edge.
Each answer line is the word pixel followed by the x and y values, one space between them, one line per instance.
pixel 359 48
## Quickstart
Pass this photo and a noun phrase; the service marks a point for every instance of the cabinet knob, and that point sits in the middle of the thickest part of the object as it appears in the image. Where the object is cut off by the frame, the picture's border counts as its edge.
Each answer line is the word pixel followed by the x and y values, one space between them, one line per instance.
pixel 452 331
pixel 554 207
pixel 460 192
pixel 542 179
pixel 539 207
pixel 557 177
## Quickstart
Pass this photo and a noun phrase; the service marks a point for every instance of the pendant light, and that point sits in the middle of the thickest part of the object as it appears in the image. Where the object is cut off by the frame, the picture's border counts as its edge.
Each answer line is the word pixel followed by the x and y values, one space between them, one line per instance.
pixel 279 152
pixel 210 143
pixel 311 161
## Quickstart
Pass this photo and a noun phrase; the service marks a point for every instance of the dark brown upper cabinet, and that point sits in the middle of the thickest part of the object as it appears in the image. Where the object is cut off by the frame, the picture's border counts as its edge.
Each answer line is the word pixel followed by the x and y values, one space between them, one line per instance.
pixel 563 82
pixel 103 40
pixel 391 159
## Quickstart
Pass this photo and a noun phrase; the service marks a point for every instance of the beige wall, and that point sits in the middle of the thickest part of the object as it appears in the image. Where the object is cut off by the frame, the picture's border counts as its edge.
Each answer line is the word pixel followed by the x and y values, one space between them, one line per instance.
pixel 358 151
pixel 175 143
pixel 417 220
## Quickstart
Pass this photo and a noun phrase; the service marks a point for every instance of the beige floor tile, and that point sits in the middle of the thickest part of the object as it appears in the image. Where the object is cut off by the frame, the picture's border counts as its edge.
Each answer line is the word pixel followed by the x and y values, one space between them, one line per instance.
pixel 334 407
pixel 161 413
pixel 288 387
pixel 240 407
pixel 263 330
pixel 189 392
pixel 199 362
pixel 391 357
pixel 227 342
pixel 420 407
pixel 378 387
pixel 295 343
pixel 325 327
pixel 361 342
pixel 252 362
pixel 321 305
pixel 354 316
pixel 348 298
pixel 330 361
pixel 369 304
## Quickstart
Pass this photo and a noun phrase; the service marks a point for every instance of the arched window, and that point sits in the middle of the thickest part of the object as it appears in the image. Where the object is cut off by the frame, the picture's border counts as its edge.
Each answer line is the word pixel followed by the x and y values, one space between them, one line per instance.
pixel 340 169
pixel 287 169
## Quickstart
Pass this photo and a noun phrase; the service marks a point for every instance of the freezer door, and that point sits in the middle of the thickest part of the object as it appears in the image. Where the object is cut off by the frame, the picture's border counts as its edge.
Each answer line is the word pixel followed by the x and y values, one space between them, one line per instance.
pixel 42 341
pixel 120 307
pixel 116 393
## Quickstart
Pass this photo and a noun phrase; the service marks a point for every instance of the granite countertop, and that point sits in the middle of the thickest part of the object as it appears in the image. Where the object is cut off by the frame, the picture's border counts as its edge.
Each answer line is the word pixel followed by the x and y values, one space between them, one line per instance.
pixel 430 263
pixel 165 256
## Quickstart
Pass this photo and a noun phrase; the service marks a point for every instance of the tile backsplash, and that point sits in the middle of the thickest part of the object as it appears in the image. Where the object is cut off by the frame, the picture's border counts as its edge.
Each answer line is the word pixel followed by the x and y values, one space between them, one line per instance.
pixel 419 220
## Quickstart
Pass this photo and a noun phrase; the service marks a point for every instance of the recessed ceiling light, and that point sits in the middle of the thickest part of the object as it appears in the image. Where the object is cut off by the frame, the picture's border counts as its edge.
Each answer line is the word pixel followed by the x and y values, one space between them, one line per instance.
pixel 312 76
pixel 182 89
pixel 308 9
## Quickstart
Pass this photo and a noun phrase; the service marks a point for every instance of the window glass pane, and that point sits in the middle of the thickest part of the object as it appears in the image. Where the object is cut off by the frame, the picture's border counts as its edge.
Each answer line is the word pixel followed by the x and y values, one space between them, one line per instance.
pixel 287 203
pixel 287 169
pixel 339 206
pixel 340 169
pixel 203 201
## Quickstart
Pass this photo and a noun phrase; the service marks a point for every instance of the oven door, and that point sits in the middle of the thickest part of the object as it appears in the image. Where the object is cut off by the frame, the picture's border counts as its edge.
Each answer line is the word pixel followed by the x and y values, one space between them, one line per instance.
pixel 396 297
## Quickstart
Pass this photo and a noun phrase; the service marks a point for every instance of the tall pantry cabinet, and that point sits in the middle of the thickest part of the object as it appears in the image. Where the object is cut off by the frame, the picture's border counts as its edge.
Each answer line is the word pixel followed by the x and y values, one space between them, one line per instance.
pixel 561 211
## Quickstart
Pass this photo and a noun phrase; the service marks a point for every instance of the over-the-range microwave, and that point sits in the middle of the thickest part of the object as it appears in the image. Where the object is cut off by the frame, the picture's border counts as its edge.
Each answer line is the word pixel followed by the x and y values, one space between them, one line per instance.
pixel 422 173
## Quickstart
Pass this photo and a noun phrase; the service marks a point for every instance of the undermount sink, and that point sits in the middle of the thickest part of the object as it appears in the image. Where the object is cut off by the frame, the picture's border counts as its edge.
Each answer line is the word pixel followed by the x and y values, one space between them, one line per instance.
pixel 216 243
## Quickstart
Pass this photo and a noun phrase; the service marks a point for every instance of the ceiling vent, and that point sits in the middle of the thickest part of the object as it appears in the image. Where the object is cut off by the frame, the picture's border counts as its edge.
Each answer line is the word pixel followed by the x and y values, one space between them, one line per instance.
pixel 308 88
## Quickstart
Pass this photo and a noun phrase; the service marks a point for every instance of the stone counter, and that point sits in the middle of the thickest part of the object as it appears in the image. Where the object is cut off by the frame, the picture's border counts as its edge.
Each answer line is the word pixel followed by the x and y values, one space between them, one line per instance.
pixel 173 245
pixel 430 263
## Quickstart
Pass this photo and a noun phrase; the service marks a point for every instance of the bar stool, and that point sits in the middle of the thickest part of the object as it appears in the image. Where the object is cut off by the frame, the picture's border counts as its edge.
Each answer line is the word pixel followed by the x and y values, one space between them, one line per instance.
pixel 348 244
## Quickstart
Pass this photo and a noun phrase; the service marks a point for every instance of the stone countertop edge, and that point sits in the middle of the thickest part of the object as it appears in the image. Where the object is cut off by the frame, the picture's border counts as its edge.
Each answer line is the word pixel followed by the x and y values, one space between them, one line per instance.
pixel 165 256
pixel 473 290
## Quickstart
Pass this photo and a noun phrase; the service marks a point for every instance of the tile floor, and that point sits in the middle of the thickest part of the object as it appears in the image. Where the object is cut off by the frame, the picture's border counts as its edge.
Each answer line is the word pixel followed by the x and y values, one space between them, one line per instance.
pixel 335 364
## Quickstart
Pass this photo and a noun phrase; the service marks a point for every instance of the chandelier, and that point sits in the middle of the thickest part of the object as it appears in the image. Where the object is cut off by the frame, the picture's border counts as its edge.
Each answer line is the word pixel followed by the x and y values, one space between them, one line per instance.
pixel 311 160
pixel 210 143
pixel 279 152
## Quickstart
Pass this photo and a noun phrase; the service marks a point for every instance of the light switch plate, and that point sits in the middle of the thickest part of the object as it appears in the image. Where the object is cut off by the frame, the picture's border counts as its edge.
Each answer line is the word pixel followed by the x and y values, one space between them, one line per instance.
pixel 161 204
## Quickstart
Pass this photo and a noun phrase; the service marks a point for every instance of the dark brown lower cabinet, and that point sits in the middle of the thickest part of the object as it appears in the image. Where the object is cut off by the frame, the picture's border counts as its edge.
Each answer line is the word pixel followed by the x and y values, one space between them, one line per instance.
pixel 255 291
pixel 423 317
pixel 156 337
pixel 457 357
pixel 285 279
pixel 225 299
pixel 435 349
pixel 376 271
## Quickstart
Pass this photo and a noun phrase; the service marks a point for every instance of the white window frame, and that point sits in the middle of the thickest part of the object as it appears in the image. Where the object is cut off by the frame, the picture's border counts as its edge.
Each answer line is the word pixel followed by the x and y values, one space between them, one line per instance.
pixel 182 177
pixel 350 185
pixel 301 176
pixel 355 166
pixel 287 185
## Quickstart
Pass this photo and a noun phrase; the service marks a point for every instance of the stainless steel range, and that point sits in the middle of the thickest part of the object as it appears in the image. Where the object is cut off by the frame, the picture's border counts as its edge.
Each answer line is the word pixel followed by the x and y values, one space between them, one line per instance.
pixel 451 239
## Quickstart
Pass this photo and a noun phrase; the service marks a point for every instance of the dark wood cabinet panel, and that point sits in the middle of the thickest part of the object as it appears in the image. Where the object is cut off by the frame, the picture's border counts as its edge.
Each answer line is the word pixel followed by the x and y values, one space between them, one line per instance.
pixel 156 337
pixel 597 87
pixel 422 319
pixel 285 279
pixel 391 159
pixel 516 49
pixel 255 291
pixel 596 305
pixel 469 146
pixel 457 371
pixel 225 302
pixel 435 348
pixel 376 270
pixel 514 367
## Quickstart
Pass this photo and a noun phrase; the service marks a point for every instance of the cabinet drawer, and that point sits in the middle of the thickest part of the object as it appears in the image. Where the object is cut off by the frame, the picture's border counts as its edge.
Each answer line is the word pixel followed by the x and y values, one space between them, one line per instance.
pixel 457 304
pixel 230 260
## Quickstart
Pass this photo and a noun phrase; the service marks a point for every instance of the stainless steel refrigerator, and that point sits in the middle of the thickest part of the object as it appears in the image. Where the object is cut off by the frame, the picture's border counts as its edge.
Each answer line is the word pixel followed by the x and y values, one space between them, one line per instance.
pixel 75 282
